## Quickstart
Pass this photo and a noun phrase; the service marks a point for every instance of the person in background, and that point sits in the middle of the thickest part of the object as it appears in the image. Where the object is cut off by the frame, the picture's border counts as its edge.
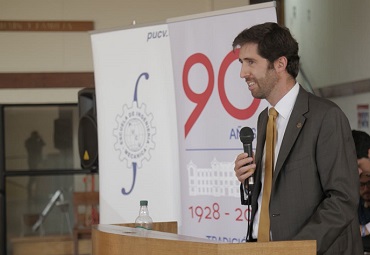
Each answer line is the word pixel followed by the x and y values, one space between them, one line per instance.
pixel 314 194
pixel 34 145
pixel 364 209
pixel 362 143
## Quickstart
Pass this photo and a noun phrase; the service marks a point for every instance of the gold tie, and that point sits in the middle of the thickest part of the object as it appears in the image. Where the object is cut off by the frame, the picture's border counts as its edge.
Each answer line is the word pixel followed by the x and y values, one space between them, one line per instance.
pixel 264 225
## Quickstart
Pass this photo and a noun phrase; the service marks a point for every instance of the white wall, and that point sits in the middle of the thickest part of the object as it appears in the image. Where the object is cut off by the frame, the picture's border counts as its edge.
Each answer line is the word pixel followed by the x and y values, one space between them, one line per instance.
pixel 334 41
pixel 331 34
pixel 333 37
pixel 42 96
pixel 349 105
pixel 71 51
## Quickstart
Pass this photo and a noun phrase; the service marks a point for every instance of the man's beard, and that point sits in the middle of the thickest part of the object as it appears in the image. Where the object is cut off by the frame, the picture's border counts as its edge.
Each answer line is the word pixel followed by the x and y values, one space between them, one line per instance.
pixel 265 84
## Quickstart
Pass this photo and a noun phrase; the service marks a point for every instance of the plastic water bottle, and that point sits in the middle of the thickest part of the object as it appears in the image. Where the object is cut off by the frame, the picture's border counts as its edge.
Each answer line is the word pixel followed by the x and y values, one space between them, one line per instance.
pixel 144 220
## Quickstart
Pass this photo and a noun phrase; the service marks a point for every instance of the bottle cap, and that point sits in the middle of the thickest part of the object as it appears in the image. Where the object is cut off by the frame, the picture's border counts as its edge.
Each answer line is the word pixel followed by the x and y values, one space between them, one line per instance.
pixel 143 202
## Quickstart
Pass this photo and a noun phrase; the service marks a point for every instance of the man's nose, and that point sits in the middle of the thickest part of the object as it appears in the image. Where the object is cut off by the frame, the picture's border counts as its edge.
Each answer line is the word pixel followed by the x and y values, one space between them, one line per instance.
pixel 244 72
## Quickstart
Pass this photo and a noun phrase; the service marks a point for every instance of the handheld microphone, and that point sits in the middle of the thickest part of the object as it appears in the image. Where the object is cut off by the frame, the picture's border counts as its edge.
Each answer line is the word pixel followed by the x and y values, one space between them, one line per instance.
pixel 246 137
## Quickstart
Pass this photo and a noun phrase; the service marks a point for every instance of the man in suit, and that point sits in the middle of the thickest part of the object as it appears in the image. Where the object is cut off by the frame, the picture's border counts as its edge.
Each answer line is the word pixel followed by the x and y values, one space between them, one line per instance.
pixel 314 193
pixel 362 144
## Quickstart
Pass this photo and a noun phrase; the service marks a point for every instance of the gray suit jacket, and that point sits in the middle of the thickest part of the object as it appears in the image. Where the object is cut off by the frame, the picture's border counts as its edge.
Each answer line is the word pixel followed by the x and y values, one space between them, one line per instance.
pixel 315 186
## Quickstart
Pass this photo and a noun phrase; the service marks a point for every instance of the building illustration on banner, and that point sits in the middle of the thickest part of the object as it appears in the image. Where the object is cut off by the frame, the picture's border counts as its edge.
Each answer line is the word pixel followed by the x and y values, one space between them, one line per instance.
pixel 134 135
pixel 218 180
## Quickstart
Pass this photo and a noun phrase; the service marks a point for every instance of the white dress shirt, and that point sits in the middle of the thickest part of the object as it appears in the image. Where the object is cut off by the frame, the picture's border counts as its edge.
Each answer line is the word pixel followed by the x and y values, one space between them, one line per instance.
pixel 284 107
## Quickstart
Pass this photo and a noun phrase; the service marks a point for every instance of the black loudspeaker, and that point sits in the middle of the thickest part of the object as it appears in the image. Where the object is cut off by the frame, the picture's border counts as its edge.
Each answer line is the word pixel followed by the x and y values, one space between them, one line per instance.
pixel 87 129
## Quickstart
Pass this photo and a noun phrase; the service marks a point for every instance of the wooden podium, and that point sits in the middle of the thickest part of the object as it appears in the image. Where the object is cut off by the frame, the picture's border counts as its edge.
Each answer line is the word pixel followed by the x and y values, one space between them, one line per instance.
pixel 122 240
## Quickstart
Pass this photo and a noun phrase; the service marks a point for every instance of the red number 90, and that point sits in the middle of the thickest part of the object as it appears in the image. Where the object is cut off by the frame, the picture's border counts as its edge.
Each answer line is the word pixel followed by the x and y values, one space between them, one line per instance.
pixel 201 99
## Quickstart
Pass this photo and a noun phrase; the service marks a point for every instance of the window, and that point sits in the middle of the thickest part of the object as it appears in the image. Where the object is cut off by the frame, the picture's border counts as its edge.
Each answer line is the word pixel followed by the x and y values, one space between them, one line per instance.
pixel 41 170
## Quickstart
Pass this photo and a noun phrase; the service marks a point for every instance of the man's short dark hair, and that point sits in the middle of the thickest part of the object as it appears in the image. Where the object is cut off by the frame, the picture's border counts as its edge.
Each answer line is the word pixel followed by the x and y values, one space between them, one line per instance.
pixel 362 143
pixel 274 41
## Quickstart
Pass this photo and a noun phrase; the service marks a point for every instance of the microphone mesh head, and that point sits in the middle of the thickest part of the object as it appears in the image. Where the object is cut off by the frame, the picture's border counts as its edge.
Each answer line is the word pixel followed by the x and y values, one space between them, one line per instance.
pixel 246 135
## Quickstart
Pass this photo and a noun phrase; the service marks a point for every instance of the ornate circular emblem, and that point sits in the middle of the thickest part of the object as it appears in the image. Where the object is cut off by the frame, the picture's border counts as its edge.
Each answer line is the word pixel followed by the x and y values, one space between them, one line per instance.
pixel 134 134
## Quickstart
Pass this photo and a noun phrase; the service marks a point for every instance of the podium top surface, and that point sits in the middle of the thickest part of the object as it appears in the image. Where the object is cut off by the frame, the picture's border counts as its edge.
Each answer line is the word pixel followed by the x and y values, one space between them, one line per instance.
pixel 126 240
pixel 139 232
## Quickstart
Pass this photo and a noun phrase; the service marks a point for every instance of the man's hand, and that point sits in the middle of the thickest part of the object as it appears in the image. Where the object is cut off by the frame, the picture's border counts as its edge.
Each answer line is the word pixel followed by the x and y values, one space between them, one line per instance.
pixel 242 171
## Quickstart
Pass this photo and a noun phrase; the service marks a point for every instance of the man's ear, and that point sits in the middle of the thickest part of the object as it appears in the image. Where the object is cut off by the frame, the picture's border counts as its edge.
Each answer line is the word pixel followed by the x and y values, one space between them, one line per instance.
pixel 368 153
pixel 280 64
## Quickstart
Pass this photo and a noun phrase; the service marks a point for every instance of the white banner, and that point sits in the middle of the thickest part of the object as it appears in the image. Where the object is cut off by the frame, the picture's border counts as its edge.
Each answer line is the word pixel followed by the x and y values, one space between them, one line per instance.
pixel 213 104
pixel 137 131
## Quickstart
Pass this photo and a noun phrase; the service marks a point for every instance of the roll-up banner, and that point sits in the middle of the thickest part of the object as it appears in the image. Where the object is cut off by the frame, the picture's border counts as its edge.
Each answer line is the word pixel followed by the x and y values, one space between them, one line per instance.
pixel 170 105
pixel 137 130
pixel 213 104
